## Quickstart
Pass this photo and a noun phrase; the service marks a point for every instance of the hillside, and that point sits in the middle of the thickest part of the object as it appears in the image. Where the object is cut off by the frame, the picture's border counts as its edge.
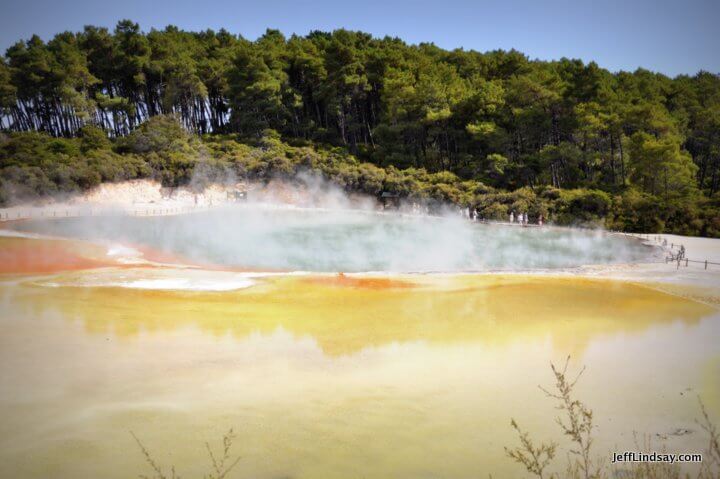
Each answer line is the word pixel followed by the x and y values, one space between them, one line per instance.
pixel 495 130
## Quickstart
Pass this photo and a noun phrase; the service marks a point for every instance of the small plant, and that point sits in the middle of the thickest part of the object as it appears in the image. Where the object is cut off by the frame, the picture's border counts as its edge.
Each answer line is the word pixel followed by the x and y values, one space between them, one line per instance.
pixel 712 455
pixel 221 465
pixel 578 421
pixel 534 458
pixel 577 424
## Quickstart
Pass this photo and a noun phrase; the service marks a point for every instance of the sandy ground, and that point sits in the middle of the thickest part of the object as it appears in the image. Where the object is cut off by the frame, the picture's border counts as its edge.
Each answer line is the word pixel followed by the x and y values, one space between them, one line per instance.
pixel 132 197
pixel 700 249
pixel 148 197
pixel 691 280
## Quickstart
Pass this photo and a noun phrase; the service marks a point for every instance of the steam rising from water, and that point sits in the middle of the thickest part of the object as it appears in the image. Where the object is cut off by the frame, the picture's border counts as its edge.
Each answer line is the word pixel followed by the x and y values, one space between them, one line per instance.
pixel 351 241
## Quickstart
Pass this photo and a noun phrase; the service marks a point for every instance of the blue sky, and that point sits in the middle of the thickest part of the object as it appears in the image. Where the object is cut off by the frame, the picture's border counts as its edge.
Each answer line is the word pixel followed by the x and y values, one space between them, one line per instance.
pixel 673 37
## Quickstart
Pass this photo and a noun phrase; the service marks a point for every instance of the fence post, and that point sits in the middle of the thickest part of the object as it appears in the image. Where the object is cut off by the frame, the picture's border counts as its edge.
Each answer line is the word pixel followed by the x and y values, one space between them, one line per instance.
pixel 705 264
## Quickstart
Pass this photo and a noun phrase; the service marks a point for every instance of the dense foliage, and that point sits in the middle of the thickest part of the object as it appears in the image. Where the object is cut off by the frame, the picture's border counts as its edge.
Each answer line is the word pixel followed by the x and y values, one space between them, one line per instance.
pixel 35 165
pixel 639 149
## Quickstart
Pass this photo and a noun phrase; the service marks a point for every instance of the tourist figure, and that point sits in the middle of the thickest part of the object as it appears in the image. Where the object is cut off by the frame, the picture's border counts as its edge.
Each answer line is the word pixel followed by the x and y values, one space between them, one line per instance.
pixel 512 217
pixel 540 220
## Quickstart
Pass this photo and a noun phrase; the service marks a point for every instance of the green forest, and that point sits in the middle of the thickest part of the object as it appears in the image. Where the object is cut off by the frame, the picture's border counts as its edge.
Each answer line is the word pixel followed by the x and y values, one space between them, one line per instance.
pixel 496 131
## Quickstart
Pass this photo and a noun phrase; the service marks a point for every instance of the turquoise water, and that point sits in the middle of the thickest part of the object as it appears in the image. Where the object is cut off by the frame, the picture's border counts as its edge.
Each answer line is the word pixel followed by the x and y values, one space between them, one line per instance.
pixel 312 240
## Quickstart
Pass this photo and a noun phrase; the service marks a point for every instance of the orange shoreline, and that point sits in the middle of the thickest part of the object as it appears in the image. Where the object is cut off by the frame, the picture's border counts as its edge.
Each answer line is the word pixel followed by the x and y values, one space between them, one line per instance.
pixel 33 256
pixel 342 280
pixel 22 255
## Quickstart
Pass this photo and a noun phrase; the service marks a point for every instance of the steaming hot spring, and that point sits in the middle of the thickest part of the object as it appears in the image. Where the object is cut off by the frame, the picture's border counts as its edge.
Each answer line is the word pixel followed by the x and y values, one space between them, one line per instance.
pixel 337 343
pixel 272 239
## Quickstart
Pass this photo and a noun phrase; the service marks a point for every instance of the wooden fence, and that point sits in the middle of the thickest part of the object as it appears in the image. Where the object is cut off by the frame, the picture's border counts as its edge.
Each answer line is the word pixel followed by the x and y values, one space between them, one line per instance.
pixel 678 257
pixel 12 214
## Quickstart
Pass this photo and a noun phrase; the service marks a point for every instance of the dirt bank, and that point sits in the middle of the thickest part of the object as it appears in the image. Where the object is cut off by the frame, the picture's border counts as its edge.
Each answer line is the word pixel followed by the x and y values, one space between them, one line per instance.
pixel 148 197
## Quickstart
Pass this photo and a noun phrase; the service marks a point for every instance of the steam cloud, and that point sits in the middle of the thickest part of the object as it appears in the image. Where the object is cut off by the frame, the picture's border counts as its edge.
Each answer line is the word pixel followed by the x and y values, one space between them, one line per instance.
pixel 328 230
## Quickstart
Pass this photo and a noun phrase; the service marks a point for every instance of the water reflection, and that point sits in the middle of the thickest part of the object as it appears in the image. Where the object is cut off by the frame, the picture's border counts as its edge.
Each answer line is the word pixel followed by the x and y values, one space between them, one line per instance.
pixel 334 379
pixel 344 319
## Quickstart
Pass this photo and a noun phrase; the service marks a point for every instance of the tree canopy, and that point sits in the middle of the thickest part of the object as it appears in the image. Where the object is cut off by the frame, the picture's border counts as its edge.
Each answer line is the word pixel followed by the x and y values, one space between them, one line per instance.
pixel 497 117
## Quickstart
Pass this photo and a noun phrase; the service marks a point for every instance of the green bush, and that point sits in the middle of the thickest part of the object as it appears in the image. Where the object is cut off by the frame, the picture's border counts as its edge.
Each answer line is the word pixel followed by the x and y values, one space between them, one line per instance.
pixel 35 165
pixel 159 134
pixel 580 206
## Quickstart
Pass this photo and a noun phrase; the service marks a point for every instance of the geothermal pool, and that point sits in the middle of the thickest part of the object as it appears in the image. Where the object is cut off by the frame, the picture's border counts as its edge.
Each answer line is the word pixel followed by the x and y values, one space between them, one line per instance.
pixel 350 241
pixel 328 375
